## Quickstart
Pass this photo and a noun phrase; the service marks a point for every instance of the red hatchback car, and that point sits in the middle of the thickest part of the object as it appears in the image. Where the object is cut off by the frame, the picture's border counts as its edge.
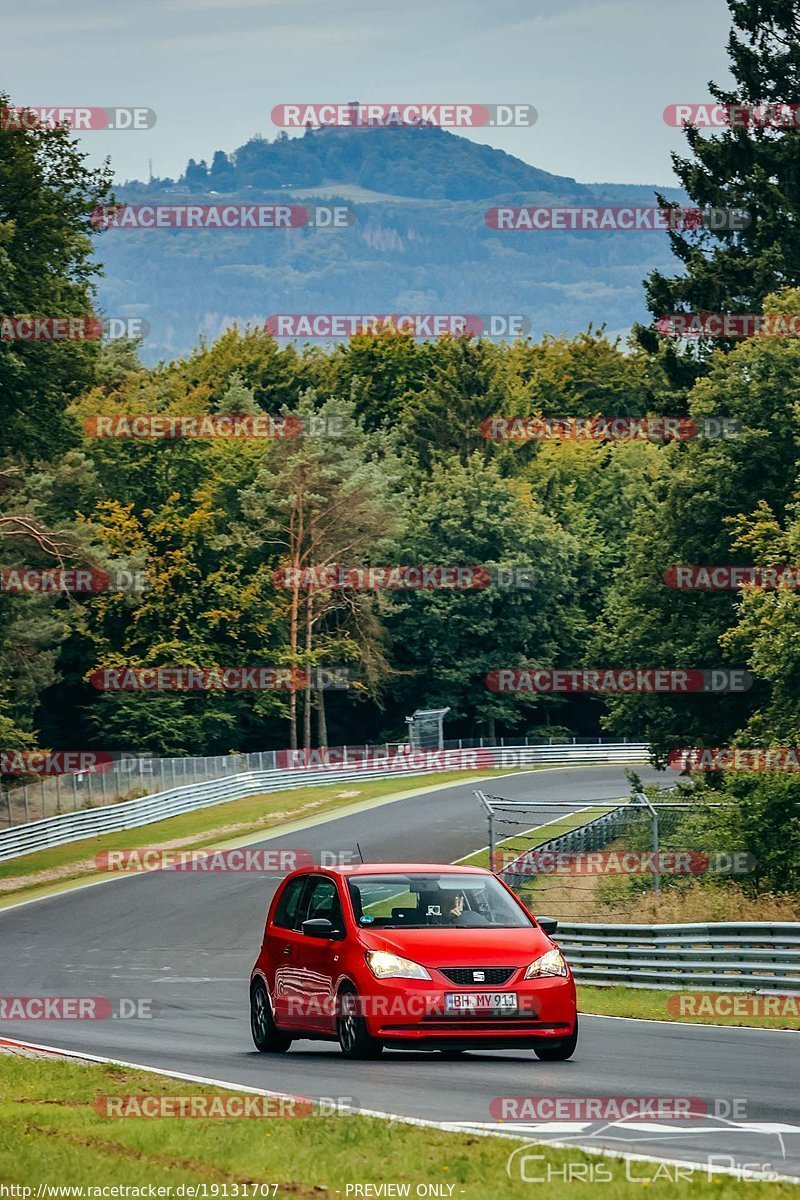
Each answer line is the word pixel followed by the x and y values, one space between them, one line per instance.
pixel 422 957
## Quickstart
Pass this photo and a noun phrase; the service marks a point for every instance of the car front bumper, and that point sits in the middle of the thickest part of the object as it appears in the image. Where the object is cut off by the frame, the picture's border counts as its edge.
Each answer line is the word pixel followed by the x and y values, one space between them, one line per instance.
pixel 398 1011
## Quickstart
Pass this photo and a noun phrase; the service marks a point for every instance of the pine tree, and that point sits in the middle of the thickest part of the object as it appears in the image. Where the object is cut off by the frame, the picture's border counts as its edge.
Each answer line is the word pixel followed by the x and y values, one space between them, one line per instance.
pixel 222 172
pixel 752 166
pixel 196 175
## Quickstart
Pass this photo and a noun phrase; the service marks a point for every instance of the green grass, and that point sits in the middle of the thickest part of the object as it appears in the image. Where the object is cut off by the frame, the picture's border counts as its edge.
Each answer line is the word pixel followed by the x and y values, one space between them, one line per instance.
pixel 219 825
pixel 520 842
pixel 653 1004
pixel 53 1135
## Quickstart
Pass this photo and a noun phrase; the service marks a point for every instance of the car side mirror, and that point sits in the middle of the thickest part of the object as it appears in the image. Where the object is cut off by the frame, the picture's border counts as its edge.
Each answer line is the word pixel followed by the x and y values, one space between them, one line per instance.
pixel 320 927
pixel 548 924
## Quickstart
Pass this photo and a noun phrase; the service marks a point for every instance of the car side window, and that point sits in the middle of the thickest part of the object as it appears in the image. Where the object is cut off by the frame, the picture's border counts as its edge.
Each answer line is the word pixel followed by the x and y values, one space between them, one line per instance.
pixel 323 901
pixel 286 912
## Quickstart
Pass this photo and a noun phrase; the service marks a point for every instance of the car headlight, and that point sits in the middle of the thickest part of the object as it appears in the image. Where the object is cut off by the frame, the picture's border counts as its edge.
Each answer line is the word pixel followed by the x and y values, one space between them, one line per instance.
pixel 551 963
pixel 390 966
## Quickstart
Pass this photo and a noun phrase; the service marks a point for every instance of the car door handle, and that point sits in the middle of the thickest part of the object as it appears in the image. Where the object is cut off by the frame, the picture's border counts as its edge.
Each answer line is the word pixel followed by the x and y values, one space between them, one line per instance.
pixel 287 950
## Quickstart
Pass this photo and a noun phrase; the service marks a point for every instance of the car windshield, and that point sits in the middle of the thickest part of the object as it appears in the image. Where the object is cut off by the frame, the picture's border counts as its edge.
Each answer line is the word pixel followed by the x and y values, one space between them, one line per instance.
pixel 417 901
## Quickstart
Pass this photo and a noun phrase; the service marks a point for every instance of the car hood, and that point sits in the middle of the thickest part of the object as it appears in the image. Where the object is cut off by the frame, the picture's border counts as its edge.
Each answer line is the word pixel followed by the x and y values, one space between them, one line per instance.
pixel 461 947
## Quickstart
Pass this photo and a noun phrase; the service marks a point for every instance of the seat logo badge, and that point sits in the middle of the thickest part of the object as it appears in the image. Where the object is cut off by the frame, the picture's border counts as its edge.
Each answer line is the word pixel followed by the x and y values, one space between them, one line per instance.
pixel 478 976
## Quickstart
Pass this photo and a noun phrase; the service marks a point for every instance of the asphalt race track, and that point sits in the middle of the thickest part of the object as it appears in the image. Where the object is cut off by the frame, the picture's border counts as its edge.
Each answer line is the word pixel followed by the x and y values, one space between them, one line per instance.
pixel 188 941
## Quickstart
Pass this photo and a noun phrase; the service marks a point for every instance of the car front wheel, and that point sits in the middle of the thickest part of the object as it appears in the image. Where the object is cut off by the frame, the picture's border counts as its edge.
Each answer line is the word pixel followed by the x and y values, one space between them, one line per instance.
pixel 267 1037
pixel 562 1050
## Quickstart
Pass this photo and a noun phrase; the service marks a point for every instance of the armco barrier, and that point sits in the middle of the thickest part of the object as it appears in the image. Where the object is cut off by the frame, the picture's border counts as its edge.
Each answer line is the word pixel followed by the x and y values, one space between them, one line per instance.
pixel 720 956
pixel 113 818
pixel 131 775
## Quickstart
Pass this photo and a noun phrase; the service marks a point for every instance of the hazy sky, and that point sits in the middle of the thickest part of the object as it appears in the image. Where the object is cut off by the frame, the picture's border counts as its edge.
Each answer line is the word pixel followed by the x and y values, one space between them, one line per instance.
pixel 599 72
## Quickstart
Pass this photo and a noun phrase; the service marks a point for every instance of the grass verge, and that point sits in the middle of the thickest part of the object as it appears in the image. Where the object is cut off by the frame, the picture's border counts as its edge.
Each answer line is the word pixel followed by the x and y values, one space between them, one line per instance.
pixel 54 1135
pixel 518 843
pixel 661 1005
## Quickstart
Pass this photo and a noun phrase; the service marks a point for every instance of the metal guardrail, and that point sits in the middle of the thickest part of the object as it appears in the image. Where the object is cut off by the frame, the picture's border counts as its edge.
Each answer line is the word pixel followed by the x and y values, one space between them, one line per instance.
pixel 718 956
pixel 146 810
pixel 130 776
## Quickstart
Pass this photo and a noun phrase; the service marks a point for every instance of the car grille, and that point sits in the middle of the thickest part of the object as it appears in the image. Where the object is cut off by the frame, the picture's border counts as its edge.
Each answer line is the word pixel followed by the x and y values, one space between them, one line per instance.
pixel 492 976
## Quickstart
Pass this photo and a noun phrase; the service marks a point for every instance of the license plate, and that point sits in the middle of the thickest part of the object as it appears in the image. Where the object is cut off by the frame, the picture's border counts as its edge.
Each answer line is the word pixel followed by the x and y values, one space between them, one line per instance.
pixel 480 1001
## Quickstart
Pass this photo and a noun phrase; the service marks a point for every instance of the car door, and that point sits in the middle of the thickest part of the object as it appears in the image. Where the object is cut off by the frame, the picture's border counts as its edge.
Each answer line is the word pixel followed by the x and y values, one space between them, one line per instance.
pixel 321 956
pixel 284 944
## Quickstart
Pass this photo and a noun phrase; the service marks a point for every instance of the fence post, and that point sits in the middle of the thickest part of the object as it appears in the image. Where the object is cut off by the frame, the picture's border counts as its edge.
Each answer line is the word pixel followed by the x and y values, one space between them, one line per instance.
pixel 74 792
pixel 490 812
pixel 8 802
pixel 656 868
pixel 58 795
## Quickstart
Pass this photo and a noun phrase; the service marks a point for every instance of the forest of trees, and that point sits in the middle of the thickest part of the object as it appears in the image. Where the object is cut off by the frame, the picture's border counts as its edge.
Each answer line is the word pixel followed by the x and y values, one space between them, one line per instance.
pixel 392 468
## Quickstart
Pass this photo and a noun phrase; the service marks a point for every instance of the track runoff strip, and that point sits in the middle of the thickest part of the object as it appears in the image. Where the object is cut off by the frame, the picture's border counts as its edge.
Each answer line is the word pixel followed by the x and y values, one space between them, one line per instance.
pixel 476 1129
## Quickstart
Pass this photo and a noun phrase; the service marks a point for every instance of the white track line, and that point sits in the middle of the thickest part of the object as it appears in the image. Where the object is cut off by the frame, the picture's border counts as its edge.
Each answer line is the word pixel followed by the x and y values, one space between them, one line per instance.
pixel 692 1024
pixel 446 1126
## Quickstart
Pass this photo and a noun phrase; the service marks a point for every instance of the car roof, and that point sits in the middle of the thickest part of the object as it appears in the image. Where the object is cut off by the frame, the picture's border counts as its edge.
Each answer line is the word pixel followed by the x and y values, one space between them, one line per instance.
pixel 406 869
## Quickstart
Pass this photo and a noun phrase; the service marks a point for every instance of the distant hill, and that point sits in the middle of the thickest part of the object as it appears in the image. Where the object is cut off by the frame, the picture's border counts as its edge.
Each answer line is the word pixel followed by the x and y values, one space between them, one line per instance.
pixel 419 243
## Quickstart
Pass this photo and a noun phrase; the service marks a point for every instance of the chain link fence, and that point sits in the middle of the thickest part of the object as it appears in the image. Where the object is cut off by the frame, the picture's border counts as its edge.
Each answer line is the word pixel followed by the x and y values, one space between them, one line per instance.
pixel 131 776
pixel 575 860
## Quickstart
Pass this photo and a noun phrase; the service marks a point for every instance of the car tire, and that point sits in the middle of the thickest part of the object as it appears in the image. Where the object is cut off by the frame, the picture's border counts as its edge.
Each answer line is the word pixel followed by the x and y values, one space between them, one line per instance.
pixel 267 1038
pixel 561 1051
pixel 351 1028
